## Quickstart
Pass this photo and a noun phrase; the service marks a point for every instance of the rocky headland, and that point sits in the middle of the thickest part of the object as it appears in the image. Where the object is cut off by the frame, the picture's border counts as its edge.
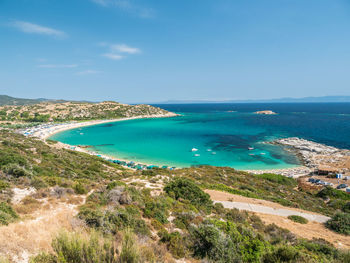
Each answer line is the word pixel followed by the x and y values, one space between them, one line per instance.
pixel 315 155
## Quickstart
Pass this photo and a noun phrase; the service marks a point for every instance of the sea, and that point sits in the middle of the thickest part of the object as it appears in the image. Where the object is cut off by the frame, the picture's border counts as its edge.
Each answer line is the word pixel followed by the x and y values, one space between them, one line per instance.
pixel 218 134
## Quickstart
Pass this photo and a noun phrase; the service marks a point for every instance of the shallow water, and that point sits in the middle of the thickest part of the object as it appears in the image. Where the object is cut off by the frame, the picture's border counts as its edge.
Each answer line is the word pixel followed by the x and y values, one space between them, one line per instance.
pixel 227 130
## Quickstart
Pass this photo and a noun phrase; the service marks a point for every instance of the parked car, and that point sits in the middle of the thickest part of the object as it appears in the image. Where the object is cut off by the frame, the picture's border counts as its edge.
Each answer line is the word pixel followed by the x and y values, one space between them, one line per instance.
pixel 327 183
pixel 317 181
pixel 341 186
pixel 311 180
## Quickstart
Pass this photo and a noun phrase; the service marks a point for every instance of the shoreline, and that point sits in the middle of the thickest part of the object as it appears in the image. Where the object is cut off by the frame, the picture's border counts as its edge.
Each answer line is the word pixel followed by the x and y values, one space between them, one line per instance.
pixel 45 131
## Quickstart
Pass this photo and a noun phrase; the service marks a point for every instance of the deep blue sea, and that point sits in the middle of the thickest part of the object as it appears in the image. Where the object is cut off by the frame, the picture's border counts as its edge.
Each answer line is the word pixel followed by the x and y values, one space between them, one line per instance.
pixel 222 133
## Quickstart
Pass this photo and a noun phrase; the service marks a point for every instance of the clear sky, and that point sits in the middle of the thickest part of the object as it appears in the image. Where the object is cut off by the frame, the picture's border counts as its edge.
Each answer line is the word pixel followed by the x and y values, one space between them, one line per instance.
pixel 158 50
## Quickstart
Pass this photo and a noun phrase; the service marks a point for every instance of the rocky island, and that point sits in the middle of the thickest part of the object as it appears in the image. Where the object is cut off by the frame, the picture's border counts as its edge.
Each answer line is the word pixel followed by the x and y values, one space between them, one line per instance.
pixel 265 112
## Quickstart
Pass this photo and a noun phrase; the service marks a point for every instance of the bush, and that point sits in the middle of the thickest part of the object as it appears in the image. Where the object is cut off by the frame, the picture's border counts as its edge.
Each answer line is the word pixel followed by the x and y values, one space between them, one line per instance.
pixel 298 219
pixel 209 242
pixel 9 157
pixel 7 214
pixel 330 192
pixel 79 189
pixel 130 252
pixel 43 258
pixel 281 254
pixel 157 210
pixel 186 189
pixel 340 223
pixel 16 170
pixel 3 185
pixel 176 245
pixel 79 248
pixel 277 178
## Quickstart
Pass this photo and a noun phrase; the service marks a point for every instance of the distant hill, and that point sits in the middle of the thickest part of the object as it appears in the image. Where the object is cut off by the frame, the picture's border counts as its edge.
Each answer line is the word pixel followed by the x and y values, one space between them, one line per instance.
pixel 281 100
pixel 7 100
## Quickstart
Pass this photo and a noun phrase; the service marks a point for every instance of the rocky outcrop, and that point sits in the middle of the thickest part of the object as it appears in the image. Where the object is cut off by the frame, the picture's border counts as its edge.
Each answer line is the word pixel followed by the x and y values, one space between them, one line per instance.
pixel 315 154
pixel 266 112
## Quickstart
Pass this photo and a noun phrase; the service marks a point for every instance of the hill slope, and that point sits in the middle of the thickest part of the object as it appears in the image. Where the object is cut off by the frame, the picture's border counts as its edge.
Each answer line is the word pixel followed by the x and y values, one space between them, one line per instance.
pixel 66 111
pixel 7 100
pixel 120 215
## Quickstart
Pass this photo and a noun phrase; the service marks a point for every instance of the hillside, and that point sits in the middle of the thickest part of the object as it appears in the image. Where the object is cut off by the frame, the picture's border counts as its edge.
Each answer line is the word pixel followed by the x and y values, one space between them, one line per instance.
pixel 58 205
pixel 66 111
pixel 7 100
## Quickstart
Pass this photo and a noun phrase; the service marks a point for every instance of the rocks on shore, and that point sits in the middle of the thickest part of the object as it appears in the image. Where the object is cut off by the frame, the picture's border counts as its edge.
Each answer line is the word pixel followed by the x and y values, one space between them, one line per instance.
pixel 315 154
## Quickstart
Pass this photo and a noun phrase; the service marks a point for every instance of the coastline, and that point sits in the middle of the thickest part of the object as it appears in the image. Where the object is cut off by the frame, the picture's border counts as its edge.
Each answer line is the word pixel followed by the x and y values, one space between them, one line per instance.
pixel 47 132
pixel 295 145
pixel 44 132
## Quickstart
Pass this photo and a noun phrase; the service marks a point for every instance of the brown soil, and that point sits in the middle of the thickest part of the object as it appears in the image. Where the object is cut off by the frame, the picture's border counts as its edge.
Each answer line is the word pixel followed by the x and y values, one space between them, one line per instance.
pixel 34 232
pixel 222 196
pixel 309 231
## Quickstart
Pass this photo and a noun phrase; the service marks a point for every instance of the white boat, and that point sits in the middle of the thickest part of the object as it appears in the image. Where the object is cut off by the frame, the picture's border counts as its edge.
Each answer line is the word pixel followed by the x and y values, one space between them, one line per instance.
pixel 209 150
pixel 250 148
pixel 262 153
pixel 213 153
pixel 197 155
pixel 194 149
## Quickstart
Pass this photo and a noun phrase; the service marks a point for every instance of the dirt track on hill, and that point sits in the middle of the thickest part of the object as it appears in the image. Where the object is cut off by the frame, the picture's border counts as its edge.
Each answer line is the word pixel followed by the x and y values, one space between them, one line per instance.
pixel 309 231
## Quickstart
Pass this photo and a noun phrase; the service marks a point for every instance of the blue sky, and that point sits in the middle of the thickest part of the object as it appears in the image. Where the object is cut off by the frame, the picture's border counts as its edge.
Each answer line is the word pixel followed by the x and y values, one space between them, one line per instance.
pixel 158 50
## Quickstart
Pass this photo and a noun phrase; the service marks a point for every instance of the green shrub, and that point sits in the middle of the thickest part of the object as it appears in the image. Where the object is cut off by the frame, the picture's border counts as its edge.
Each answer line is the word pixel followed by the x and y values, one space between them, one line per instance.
pixel 281 254
pixel 79 248
pixel 176 245
pixel 298 219
pixel 156 210
pixel 183 188
pixel 129 252
pixel 209 242
pixel 346 207
pixel 340 223
pixel 79 189
pixel 7 214
pixel 16 170
pixel 113 184
pixel 7 157
pixel 92 217
pixel 330 192
pixel 3 185
pixel 277 178
pixel 43 258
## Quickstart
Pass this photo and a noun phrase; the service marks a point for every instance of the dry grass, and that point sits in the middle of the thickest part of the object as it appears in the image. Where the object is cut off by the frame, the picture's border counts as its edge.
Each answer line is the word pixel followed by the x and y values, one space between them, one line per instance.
pixel 309 231
pixel 28 205
pixel 41 221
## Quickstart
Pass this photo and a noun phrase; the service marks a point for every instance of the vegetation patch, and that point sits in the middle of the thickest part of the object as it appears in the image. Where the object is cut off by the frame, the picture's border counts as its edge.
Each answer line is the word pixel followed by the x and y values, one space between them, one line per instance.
pixel 184 188
pixel 7 214
pixel 298 219
pixel 340 223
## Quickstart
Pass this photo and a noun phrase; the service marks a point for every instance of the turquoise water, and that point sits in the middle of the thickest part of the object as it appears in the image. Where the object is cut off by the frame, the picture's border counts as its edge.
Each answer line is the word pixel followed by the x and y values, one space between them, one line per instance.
pixel 226 129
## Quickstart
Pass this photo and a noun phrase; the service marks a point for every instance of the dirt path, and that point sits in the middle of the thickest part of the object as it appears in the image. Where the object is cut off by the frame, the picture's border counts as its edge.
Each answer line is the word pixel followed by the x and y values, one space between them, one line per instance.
pixel 261 206
pixel 309 231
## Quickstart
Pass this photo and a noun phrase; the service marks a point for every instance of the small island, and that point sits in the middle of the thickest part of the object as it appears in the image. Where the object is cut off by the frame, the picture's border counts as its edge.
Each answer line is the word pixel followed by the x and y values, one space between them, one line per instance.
pixel 265 112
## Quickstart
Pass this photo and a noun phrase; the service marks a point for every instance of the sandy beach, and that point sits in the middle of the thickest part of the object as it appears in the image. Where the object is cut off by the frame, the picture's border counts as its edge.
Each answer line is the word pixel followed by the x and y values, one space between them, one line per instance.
pixel 45 131
pixel 48 130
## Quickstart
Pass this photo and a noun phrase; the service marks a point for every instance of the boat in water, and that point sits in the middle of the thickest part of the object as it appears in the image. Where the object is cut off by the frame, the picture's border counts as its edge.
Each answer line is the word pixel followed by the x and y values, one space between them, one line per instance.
pixel 194 149
pixel 250 148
